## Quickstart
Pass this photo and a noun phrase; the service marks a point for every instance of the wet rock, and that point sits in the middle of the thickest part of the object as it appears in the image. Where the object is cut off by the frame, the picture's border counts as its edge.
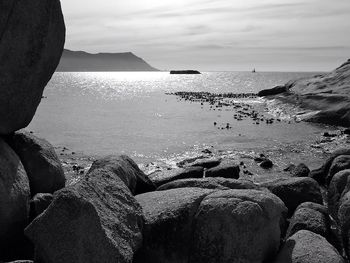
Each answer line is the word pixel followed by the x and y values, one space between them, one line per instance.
pixel 308 247
pixel 39 203
pixel 127 170
pixel 226 169
pixel 266 164
pixel 168 224
pixel 14 203
pixel 340 163
pixel 31 43
pixel 95 219
pixel 164 177
pixel 335 190
pixel 40 161
pixel 294 191
pixel 274 91
pixel 210 183
pixel 310 216
pixel 237 226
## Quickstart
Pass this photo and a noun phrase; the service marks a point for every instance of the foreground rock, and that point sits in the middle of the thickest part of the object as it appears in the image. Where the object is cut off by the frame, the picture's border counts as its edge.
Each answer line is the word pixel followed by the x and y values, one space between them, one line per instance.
pixel 226 169
pixel 237 226
pixel 169 224
pixel 164 177
pixel 40 161
pixel 295 191
pixel 127 170
pixel 344 221
pixel 38 204
pixel 210 183
pixel 340 163
pixel 14 202
pixel 31 43
pixel 95 220
pixel 308 247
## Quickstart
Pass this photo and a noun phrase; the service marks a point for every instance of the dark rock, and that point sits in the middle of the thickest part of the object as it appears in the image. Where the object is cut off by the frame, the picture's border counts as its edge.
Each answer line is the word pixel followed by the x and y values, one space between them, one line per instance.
pixel 168 224
pixel 184 72
pixel 340 163
pixel 31 43
pixel 310 216
pixel 301 170
pixel 308 247
pixel 335 190
pixel 14 202
pixel 294 191
pixel 97 219
pixel 164 177
pixel 321 173
pixel 38 204
pixel 347 131
pixel 226 169
pixel 127 170
pixel 40 161
pixel 290 168
pixel 344 220
pixel 266 164
pixel 210 183
pixel 205 163
pixel 274 91
pixel 237 226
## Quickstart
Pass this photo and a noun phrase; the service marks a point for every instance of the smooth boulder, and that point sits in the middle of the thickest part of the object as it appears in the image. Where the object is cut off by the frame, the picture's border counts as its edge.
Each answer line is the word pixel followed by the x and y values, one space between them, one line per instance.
pixel 226 169
pixel 127 170
pixel 14 202
pixel 344 221
pixel 40 161
pixel 340 163
pixel 237 226
pixel 31 43
pixel 164 177
pixel 294 191
pixel 308 247
pixel 95 220
pixel 38 204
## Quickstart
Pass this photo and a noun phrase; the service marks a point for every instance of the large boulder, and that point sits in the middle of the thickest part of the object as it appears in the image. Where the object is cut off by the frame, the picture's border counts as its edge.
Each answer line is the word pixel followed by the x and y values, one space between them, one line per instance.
pixel 237 226
pixel 310 216
pixel 308 247
pixel 31 43
pixel 40 161
pixel 14 202
pixel 226 169
pixel 95 220
pixel 294 191
pixel 217 183
pixel 344 220
pixel 335 191
pixel 274 91
pixel 127 170
pixel 205 163
pixel 163 177
pixel 340 163
pixel 38 204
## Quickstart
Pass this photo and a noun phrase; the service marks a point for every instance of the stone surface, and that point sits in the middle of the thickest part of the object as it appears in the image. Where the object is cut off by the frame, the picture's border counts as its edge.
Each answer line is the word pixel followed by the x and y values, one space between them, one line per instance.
pixel 14 202
pixel 226 169
pixel 344 221
pixel 301 170
pixel 168 224
pixel 164 177
pixel 95 220
pixel 127 170
pixel 308 247
pixel 38 204
pixel 335 190
pixel 40 161
pixel 32 35
pixel 206 163
pixel 294 191
pixel 340 163
pixel 237 226
pixel 274 91
pixel 217 183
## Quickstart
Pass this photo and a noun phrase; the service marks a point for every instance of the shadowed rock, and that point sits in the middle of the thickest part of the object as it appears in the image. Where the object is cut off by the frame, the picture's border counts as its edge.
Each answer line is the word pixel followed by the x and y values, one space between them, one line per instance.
pixel 164 177
pixel 274 91
pixel 32 35
pixel 226 169
pixel 38 204
pixel 340 163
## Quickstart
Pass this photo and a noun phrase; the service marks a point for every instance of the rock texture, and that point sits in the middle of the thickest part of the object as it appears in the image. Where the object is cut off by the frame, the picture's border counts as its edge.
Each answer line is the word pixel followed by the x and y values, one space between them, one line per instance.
pixel 14 201
pixel 32 35
pixel 95 220
pixel 40 161
pixel 308 247
pixel 127 170
pixel 38 204
pixel 226 169
pixel 344 220
pixel 164 177
pixel 340 163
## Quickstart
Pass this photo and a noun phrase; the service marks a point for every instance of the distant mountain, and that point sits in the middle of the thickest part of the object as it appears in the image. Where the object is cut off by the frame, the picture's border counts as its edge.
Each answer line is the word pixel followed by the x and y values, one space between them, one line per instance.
pixel 82 61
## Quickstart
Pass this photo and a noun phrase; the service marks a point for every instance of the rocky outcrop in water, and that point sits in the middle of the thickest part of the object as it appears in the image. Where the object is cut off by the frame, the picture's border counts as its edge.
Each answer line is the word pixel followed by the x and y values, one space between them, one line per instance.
pixel 32 35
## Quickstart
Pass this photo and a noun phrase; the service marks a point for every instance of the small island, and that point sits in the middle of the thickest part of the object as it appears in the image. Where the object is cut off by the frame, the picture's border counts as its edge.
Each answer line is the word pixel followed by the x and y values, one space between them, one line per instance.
pixel 184 72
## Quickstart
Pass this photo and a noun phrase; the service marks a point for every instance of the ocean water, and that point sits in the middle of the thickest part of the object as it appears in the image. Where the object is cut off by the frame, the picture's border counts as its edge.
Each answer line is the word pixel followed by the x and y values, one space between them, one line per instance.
pixel 129 112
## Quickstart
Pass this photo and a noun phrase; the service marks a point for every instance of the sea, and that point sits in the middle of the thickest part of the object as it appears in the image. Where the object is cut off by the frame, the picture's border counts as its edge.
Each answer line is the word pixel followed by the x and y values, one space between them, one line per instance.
pixel 136 113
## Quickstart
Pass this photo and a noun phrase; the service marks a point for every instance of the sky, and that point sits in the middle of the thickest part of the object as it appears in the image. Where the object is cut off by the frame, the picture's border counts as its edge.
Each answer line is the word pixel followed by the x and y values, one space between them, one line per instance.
pixel 215 35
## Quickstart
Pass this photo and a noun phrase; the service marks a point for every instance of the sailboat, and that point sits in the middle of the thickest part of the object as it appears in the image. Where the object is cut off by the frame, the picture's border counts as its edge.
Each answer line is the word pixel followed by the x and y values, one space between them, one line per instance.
pixel 253 71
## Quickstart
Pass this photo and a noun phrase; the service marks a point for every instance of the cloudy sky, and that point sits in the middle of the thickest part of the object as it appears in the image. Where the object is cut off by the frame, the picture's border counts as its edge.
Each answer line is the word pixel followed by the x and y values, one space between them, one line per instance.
pixel 270 35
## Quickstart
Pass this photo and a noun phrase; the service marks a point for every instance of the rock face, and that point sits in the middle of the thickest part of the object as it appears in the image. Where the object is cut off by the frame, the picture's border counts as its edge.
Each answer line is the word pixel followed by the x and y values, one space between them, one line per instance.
pixel 295 191
pixel 308 247
pixel 40 161
pixel 237 226
pixel 31 43
pixel 38 204
pixel 95 220
pixel 210 183
pixel 14 201
pixel 127 170
pixel 168 224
